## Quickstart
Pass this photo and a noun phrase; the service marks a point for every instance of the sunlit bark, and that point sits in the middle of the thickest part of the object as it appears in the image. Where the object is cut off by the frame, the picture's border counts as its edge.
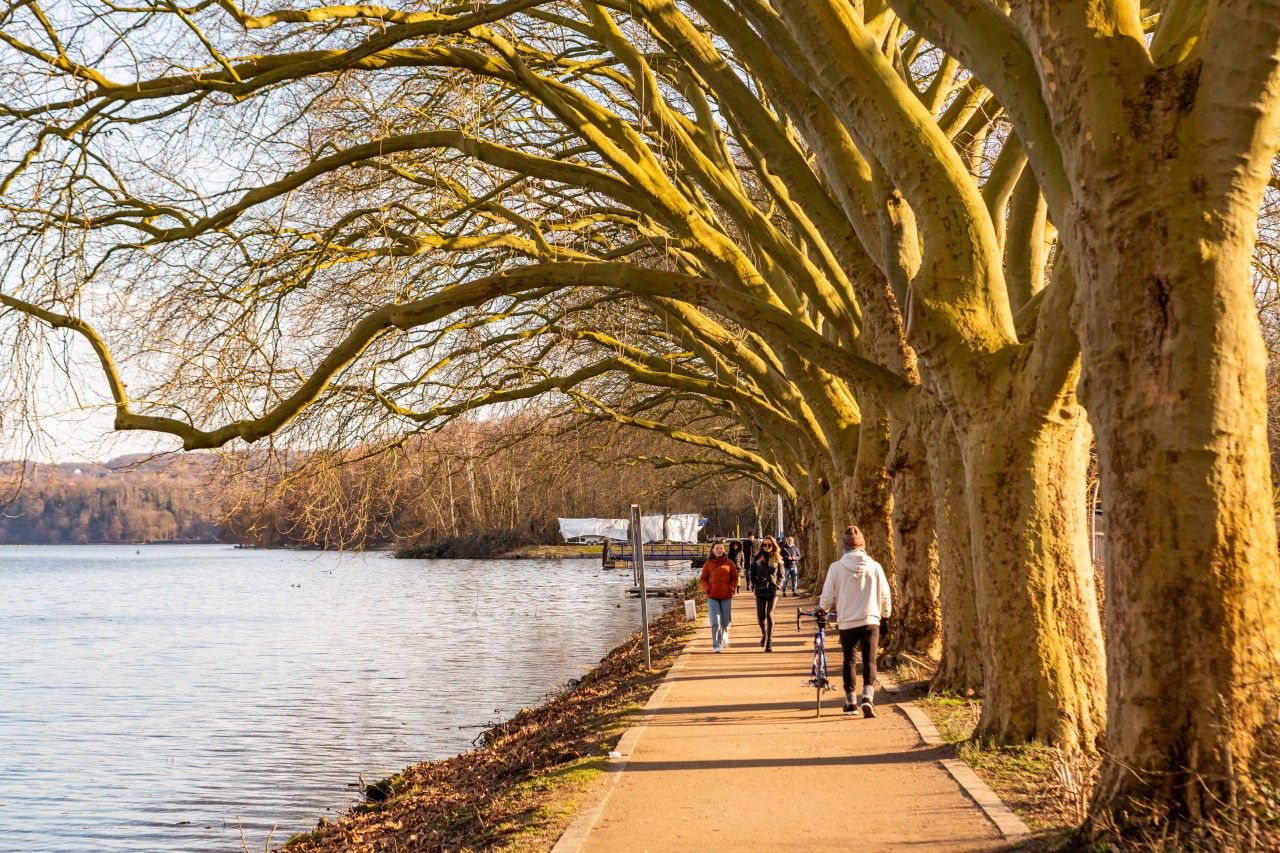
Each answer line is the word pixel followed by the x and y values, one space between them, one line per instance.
pixel 917 627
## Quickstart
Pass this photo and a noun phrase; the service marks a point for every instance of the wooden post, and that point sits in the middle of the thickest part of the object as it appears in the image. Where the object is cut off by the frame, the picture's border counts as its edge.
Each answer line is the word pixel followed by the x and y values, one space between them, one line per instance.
pixel 637 560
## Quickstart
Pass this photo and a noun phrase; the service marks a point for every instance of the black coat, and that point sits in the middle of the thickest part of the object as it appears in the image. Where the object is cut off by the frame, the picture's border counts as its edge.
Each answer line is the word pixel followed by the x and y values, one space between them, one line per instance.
pixel 765 579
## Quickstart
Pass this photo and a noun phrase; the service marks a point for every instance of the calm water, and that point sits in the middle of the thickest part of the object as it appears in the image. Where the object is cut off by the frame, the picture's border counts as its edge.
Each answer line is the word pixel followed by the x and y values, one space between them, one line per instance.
pixel 169 697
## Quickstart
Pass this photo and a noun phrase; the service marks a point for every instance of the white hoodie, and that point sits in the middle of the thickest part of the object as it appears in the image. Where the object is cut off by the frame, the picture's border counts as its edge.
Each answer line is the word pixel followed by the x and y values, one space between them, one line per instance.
pixel 857 586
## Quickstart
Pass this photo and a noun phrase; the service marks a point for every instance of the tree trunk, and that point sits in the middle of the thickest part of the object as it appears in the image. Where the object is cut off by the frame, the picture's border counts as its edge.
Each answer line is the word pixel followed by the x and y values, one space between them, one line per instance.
pixel 960 668
pixel 822 543
pixel 800 525
pixel 872 492
pixel 916 618
pixel 1037 611
pixel 1166 150
pixel 1175 383
pixel 796 516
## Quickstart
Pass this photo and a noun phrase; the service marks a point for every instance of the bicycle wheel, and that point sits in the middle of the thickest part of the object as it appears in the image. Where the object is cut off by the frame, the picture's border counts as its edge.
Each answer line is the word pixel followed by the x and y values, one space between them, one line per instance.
pixel 820 669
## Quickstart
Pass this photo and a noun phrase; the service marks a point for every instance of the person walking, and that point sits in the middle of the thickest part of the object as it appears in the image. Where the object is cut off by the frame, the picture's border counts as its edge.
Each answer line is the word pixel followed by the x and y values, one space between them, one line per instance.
pixel 719 580
pixel 735 554
pixel 857 586
pixel 790 565
pixel 749 550
pixel 766 576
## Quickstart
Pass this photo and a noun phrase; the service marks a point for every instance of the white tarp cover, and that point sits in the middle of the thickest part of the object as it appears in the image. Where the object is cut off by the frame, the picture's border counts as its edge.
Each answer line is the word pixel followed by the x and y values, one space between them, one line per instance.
pixel 594 529
pixel 680 528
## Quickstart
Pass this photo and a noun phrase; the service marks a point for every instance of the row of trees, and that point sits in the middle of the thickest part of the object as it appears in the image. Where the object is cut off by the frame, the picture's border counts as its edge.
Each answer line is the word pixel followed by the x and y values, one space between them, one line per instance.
pixel 474 478
pixel 903 261
pixel 471 478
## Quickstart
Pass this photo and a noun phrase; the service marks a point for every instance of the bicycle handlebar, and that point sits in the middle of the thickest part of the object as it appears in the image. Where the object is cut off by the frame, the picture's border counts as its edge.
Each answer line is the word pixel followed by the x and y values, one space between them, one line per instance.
pixel 821 616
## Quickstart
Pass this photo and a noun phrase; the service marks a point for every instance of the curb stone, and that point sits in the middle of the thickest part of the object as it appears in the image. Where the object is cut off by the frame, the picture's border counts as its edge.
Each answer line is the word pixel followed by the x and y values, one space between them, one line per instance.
pixel 1009 824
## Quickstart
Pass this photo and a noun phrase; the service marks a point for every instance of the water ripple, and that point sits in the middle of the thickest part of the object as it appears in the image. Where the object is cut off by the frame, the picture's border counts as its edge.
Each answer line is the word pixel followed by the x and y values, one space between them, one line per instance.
pixel 174 698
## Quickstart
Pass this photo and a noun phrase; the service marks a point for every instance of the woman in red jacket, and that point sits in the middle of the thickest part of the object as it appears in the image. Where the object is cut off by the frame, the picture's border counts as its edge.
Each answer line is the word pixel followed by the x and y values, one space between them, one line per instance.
pixel 719 581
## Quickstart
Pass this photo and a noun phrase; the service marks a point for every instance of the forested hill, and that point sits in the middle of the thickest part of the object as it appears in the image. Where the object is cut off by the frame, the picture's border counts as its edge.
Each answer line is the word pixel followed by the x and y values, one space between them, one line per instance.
pixel 120 501
pixel 505 477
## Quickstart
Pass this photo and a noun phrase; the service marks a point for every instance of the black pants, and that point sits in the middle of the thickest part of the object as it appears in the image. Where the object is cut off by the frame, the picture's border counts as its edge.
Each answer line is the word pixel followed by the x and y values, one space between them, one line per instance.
pixel 866 638
pixel 764 613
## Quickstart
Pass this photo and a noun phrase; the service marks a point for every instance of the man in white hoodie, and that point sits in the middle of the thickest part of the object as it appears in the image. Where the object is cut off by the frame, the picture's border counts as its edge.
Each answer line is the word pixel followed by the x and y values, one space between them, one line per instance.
pixel 856 585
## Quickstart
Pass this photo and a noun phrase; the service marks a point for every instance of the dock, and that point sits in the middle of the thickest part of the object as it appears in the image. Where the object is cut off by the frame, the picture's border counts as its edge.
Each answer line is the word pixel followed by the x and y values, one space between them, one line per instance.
pixel 619 555
pixel 656 592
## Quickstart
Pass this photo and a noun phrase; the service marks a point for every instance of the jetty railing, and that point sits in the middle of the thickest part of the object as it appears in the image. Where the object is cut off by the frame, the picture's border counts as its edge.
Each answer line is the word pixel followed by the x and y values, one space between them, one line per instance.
pixel 622 552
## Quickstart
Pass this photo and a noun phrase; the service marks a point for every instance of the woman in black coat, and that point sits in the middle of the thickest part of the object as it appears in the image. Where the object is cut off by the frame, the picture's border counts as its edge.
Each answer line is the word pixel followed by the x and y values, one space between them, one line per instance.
pixel 765 574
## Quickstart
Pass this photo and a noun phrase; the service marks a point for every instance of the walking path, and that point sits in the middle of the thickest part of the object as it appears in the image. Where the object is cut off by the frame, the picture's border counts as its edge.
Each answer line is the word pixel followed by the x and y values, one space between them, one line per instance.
pixel 730 756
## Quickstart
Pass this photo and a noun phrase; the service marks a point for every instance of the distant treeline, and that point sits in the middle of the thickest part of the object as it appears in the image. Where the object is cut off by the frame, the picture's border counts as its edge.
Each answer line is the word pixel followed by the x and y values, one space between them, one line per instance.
pixel 474 480
pixel 112 503
pixel 465 484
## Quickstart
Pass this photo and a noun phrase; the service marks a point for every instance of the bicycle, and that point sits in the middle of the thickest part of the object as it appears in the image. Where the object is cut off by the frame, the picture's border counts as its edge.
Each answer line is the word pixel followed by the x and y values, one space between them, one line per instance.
pixel 818 673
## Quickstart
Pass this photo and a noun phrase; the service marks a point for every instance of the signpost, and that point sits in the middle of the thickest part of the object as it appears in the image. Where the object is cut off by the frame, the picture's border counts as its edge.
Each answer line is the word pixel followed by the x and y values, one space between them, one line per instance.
pixel 637 564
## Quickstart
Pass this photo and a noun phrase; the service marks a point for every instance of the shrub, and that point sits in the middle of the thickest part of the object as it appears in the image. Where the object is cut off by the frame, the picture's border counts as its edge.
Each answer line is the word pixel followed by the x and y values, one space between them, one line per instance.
pixel 472 546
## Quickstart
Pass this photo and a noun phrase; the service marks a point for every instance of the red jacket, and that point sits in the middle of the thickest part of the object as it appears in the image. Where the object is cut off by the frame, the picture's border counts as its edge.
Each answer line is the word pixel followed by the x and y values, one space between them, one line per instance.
pixel 719 578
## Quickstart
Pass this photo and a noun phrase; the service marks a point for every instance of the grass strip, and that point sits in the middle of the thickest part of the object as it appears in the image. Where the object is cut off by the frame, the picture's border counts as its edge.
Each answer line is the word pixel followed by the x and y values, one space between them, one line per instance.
pixel 1049 788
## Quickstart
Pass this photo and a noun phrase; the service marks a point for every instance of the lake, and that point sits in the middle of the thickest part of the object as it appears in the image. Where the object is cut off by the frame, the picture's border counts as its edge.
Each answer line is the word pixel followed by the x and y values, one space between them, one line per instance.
pixel 173 697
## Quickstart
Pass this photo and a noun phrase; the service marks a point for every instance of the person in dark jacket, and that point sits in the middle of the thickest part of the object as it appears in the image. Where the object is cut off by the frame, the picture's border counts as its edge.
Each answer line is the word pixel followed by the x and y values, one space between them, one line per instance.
pixel 735 554
pixel 765 578
pixel 791 564
pixel 749 550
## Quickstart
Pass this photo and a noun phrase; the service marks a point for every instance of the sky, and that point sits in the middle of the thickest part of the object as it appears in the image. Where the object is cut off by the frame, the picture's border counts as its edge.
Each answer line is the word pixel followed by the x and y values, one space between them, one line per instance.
pixel 73 427
pixel 80 437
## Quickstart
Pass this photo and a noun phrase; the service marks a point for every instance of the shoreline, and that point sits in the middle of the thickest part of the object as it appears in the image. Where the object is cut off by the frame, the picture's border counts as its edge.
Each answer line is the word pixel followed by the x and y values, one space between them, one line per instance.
pixel 476 551
pixel 527 552
pixel 523 786
pixel 123 544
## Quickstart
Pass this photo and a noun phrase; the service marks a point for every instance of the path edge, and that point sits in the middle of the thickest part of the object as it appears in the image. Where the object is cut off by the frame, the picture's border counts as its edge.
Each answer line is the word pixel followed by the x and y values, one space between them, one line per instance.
pixel 1006 821
pixel 576 832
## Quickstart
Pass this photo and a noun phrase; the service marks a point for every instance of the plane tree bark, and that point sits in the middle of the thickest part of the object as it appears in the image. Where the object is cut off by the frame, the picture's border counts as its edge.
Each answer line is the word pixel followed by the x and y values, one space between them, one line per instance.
pixel 1043 676
pixel 1153 142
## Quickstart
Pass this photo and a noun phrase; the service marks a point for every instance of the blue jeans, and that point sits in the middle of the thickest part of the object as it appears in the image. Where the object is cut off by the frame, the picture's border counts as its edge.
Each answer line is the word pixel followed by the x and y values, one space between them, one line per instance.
pixel 789 579
pixel 720 610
